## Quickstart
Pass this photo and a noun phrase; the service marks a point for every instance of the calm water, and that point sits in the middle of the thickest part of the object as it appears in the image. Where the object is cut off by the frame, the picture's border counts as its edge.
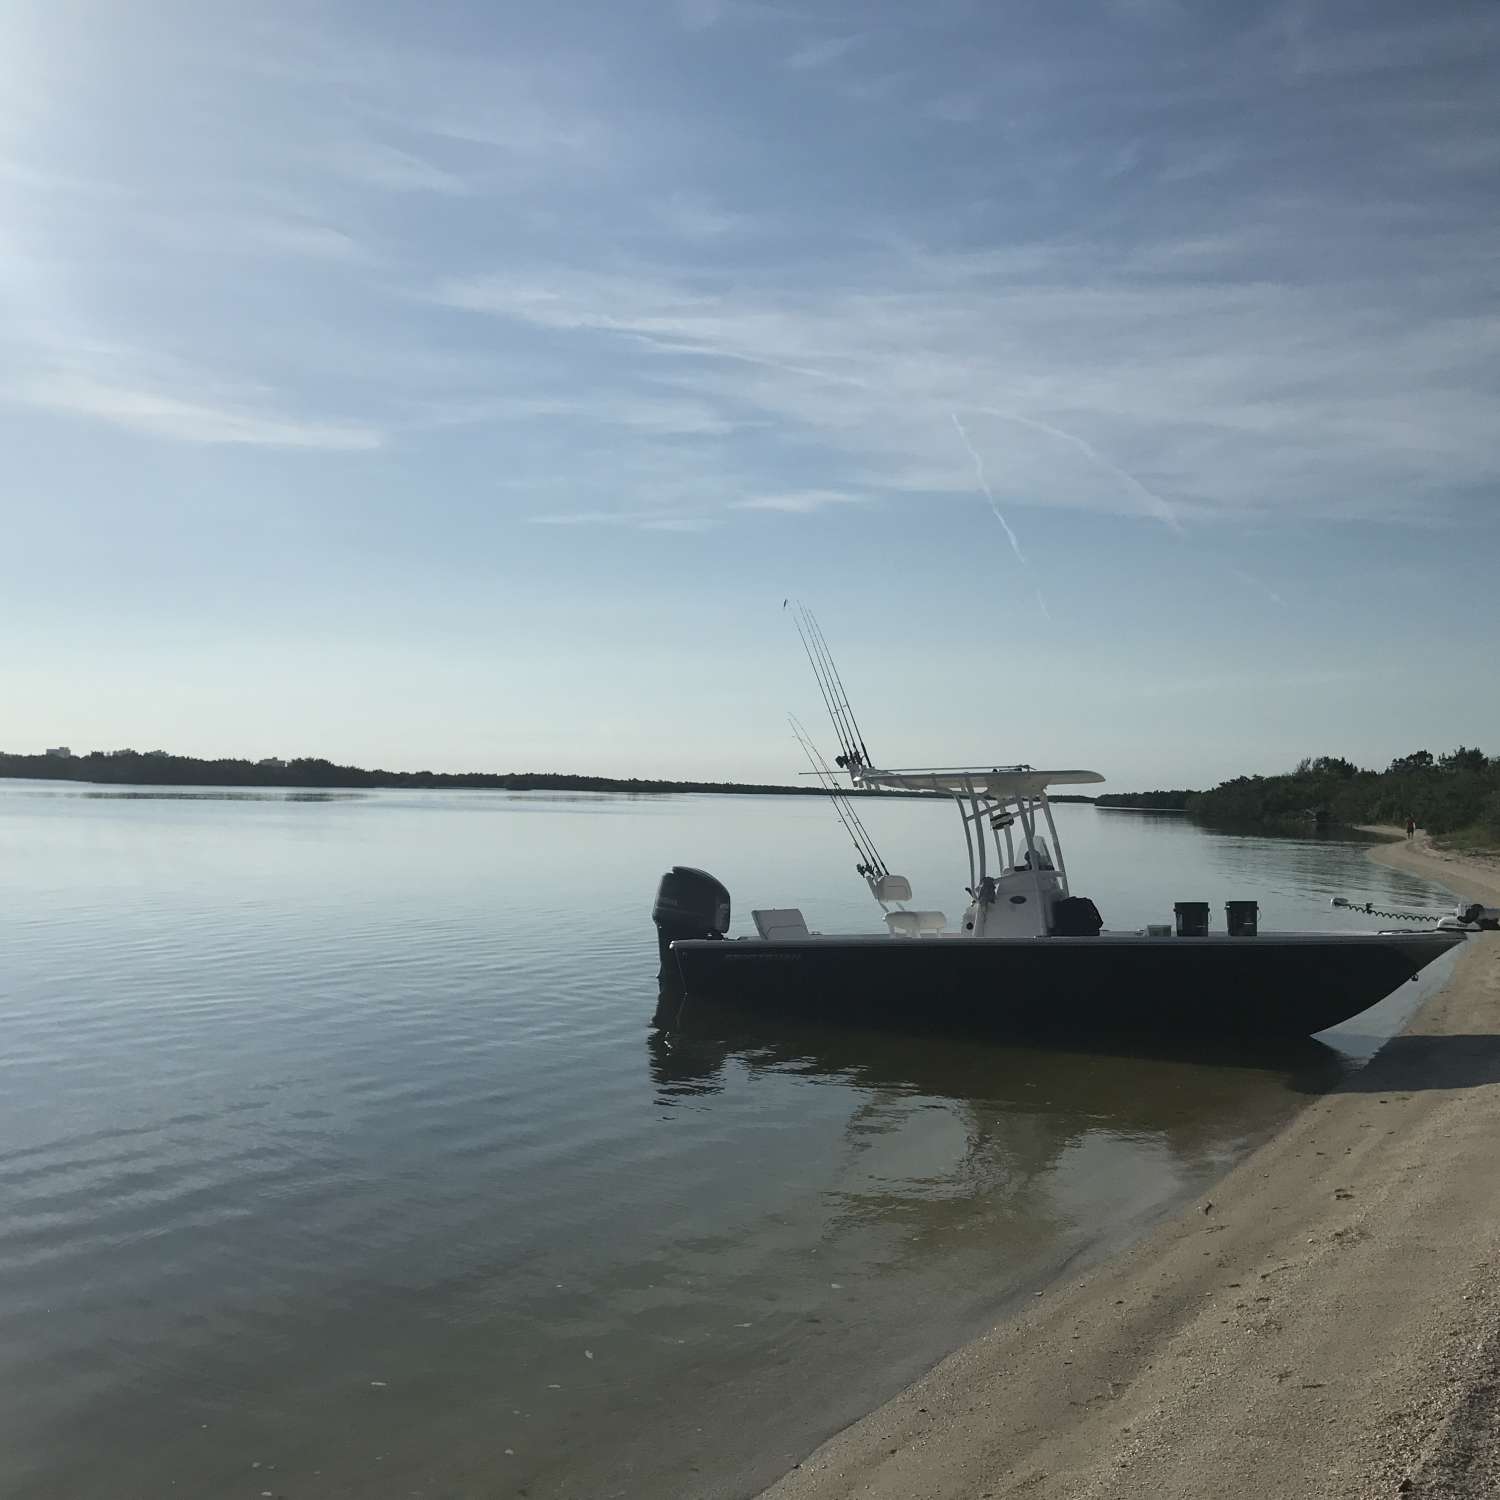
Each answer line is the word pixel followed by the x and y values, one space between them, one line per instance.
pixel 337 1156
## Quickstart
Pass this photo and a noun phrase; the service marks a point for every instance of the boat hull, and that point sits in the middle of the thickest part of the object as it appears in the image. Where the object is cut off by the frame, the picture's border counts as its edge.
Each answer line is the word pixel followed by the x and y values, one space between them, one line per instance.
pixel 1270 985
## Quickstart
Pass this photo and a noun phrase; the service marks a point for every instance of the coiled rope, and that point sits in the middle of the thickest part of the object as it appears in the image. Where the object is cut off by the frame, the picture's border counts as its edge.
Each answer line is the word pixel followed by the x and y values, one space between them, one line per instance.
pixel 1369 909
pixel 1471 916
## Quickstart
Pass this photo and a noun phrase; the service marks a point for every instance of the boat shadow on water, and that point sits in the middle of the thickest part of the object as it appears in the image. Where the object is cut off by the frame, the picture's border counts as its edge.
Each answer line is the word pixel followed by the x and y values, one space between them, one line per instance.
pixel 1418 1062
pixel 693 1042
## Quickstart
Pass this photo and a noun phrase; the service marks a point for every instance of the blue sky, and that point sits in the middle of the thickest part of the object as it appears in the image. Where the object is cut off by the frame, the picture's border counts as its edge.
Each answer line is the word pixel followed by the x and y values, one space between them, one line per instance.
pixel 466 385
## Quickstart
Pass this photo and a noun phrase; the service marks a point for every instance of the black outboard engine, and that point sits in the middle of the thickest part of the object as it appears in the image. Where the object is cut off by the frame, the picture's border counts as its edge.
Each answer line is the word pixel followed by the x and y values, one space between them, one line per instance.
pixel 689 904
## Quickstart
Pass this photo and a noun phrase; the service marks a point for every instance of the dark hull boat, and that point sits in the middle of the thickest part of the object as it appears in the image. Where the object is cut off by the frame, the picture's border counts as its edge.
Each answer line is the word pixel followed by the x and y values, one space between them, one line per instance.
pixel 1272 985
pixel 1027 956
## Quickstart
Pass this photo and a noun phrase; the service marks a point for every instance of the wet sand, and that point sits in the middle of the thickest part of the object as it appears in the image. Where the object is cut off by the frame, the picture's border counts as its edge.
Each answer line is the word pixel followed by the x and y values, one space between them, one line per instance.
pixel 1326 1323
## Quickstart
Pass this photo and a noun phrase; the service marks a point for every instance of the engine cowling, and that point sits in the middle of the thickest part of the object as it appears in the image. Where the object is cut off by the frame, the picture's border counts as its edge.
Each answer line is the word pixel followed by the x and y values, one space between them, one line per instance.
pixel 689 904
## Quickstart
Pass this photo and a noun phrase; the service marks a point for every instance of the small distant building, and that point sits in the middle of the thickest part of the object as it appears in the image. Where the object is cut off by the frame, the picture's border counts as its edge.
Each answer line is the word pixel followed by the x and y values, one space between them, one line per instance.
pixel 60 752
pixel 272 762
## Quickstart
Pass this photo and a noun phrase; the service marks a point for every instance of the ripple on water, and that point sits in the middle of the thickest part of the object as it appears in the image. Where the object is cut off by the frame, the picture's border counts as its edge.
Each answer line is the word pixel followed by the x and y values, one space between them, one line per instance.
pixel 297 1098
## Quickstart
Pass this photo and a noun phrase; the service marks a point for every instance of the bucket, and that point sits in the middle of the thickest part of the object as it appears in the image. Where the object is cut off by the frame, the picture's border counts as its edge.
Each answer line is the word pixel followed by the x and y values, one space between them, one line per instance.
pixel 1192 918
pixel 1242 918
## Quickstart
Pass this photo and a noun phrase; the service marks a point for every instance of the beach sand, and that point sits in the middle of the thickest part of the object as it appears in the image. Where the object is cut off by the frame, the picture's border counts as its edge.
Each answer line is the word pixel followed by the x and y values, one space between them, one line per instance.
pixel 1325 1323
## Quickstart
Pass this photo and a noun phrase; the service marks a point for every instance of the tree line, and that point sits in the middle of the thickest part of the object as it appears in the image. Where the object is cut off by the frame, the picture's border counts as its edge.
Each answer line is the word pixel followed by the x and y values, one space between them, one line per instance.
pixel 161 768
pixel 1175 801
pixel 1445 793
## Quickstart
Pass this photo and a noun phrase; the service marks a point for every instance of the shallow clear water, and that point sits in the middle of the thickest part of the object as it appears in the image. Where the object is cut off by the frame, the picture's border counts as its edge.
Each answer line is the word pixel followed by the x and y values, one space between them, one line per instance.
pixel 338 1157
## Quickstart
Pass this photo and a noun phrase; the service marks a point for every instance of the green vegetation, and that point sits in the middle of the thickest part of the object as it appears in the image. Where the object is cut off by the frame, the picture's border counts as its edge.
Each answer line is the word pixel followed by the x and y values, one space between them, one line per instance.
pixel 1482 837
pixel 1148 801
pixel 1456 794
pixel 159 768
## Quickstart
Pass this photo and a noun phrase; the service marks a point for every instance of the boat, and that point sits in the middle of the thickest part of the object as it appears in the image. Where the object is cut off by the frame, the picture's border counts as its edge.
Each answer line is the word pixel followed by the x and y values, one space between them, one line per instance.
pixel 1027 957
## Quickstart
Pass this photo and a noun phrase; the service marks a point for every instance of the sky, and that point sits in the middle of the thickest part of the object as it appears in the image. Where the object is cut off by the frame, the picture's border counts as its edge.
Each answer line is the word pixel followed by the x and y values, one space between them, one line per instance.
pixel 465 386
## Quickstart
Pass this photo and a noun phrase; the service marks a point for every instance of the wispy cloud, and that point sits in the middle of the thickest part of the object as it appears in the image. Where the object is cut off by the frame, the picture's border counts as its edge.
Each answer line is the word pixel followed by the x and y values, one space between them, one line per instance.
pixel 168 416
pixel 704 15
pixel 1245 576
pixel 639 520
pixel 316 241
pixel 49 181
pixel 235 234
pixel 666 413
pixel 962 108
pixel 1144 393
pixel 1159 278
pixel 374 164
pixel 351 93
pixel 800 502
pixel 701 15
pixel 697 219
pixel 819 54
pixel 1316 44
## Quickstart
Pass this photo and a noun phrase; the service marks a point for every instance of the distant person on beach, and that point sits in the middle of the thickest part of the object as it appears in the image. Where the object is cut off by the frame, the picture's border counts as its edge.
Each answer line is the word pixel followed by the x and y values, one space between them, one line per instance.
pixel 1411 827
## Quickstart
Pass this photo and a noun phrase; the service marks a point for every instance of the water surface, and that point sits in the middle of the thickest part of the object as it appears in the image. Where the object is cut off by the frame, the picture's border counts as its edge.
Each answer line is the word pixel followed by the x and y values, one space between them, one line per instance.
pixel 338 1156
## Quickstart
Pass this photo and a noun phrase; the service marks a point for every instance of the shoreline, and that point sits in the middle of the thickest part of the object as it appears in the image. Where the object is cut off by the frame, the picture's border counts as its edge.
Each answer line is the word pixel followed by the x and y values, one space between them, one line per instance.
pixel 355 780
pixel 1326 1323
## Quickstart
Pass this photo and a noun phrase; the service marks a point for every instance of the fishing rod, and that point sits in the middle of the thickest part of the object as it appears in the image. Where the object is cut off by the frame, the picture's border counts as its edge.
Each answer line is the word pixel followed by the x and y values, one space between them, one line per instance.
pixel 864 844
pixel 838 682
pixel 831 686
pixel 854 757
pixel 871 865
pixel 824 687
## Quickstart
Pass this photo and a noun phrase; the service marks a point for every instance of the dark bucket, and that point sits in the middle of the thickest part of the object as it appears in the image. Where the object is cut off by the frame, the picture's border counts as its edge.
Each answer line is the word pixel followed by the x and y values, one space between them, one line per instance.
pixel 1243 918
pixel 1192 918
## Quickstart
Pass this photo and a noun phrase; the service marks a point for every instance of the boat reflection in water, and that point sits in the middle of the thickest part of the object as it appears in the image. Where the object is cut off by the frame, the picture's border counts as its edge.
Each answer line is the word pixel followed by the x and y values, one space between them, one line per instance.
pixel 1195 1095
pixel 938 1178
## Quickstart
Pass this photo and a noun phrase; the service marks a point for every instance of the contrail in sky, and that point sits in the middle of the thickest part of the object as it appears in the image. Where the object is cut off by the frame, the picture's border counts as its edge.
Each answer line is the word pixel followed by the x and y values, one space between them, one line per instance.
pixel 1154 502
pixel 989 495
pixel 1258 583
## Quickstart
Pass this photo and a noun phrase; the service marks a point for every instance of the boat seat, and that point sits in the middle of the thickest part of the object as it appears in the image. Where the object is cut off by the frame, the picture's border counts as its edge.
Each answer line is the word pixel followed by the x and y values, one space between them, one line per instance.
pixel 891 888
pixel 780 922
pixel 915 923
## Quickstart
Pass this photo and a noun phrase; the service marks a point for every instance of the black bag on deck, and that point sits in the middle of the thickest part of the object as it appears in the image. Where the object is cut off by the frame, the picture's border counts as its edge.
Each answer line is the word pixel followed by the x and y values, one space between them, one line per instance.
pixel 1076 916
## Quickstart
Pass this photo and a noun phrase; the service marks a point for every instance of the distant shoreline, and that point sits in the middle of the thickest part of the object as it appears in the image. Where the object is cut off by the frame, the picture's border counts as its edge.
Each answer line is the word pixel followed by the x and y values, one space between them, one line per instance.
pixel 1454 795
pixel 158 768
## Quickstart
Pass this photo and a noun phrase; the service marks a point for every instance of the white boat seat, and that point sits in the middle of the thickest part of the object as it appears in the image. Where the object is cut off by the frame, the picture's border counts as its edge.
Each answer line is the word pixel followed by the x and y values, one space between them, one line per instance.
pixel 891 888
pixel 915 923
pixel 780 922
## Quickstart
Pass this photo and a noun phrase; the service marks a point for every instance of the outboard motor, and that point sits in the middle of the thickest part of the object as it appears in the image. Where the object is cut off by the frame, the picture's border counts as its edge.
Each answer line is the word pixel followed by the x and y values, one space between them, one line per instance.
pixel 689 904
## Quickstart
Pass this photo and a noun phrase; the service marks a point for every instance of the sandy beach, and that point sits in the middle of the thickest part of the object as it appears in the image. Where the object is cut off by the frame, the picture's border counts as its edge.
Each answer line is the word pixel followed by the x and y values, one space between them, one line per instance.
pixel 1326 1323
